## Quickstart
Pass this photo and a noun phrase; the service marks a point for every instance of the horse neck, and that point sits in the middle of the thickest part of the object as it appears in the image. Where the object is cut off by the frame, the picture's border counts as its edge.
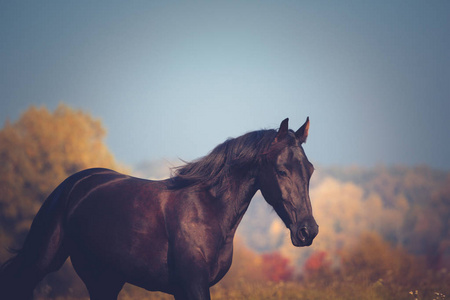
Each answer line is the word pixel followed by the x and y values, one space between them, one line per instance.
pixel 236 200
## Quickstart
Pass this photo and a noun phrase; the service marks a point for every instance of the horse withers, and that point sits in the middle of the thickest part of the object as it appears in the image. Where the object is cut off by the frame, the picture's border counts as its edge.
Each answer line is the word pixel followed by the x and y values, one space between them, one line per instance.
pixel 174 235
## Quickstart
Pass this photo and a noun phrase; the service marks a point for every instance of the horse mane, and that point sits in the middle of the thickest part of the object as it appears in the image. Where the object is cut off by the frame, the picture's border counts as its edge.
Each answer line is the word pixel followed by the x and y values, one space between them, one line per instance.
pixel 214 168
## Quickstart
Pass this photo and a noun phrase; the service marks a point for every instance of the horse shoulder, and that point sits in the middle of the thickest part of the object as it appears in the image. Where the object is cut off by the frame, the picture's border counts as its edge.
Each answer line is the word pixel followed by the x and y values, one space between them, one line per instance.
pixel 195 232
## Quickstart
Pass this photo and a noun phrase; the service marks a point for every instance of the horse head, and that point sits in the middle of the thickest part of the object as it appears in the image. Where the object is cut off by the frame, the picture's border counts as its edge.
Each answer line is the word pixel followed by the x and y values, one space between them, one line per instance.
pixel 284 182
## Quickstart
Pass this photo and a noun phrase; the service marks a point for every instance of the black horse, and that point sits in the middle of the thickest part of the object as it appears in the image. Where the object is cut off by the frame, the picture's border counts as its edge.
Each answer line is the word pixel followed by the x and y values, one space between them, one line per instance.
pixel 174 235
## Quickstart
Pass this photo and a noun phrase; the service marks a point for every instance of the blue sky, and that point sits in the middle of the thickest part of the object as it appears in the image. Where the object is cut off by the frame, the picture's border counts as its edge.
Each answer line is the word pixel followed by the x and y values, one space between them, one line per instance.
pixel 173 79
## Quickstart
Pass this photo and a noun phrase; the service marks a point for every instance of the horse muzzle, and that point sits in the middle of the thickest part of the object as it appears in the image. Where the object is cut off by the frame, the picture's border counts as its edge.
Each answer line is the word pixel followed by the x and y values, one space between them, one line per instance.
pixel 304 232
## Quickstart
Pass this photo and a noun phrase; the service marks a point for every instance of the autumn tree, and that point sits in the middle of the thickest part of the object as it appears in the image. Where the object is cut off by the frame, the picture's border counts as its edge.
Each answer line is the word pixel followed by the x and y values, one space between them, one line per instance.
pixel 373 259
pixel 37 152
pixel 317 263
pixel 276 267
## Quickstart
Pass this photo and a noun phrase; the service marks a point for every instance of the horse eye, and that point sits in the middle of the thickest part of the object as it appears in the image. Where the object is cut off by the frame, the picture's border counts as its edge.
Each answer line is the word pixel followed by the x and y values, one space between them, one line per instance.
pixel 281 173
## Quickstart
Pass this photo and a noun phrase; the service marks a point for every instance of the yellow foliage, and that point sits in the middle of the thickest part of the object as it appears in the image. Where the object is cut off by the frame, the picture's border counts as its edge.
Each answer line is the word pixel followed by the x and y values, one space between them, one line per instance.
pixel 39 151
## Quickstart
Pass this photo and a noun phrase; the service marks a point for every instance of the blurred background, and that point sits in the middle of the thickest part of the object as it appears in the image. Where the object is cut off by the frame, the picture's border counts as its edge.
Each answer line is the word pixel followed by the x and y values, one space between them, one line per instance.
pixel 140 86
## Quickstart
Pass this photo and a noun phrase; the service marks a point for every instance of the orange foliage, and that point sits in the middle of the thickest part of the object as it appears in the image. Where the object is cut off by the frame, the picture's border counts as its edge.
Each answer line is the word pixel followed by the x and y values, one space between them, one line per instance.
pixel 374 258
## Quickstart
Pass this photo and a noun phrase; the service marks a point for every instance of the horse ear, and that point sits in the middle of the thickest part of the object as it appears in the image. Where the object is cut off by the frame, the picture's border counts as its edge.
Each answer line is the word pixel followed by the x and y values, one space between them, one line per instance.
pixel 282 132
pixel 302 133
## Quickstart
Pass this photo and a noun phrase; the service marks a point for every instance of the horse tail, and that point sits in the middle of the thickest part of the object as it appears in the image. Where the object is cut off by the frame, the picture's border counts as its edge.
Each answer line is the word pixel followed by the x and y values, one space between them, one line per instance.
pixel 42 252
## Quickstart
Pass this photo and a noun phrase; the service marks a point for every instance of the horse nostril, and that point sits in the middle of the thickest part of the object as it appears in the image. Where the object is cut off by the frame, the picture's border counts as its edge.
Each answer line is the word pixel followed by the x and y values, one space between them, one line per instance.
pixel 303 233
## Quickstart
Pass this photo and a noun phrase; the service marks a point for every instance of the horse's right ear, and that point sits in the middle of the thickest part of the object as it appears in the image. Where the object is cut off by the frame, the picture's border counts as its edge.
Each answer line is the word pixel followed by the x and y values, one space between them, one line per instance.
pixel 283 131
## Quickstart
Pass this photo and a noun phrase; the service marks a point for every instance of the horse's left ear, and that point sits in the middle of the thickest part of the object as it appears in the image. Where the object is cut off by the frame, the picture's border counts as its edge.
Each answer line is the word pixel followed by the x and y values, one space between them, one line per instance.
pixel 302 133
